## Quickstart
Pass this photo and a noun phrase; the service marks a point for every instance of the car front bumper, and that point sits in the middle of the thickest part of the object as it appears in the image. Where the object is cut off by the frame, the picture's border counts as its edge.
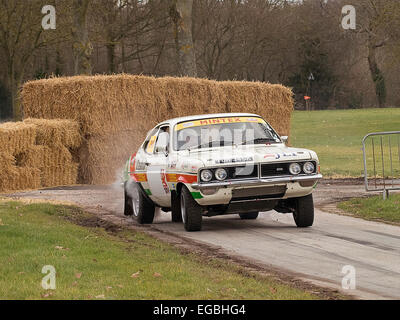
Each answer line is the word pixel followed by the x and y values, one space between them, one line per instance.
pixel 257 182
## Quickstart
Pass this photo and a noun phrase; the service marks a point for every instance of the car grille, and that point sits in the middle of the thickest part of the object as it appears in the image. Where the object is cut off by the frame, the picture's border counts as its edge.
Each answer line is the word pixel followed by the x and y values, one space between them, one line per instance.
pixel 280 169
pixel 275 169
pixel 245 172
pixel 258 193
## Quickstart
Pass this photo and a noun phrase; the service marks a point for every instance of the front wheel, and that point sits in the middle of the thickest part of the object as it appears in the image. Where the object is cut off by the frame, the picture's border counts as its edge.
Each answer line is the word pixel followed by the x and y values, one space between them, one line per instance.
pixel 140 207
pixel 176 214
pixel 190 210
pixel 304 211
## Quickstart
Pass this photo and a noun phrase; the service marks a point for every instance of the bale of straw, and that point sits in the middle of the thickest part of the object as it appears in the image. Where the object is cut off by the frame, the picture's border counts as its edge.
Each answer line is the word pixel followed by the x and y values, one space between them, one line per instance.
pixel 107 106
pixel 39 156
pixel 21 178
pixel 104 104
pixel 16 136
pixel 7 162
pixel 56 132
pixel 66 174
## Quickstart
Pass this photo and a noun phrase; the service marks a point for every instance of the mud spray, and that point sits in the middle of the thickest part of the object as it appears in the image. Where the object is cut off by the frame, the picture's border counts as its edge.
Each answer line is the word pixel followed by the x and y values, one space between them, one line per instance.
pixel 118 187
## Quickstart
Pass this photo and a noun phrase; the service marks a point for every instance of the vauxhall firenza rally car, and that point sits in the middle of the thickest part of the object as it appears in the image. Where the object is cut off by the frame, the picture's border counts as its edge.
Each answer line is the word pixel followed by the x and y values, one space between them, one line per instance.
pixel 219 164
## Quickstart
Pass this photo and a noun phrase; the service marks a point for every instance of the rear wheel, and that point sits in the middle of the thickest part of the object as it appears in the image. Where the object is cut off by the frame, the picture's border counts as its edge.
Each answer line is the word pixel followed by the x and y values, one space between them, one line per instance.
pixel 128 205
pixel 142 208
pixel 248 216
pixel 190 211
pixel 304 211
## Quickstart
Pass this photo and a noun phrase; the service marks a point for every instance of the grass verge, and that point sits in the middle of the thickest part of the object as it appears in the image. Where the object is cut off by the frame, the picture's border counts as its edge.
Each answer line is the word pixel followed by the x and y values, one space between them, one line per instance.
pixel 336 136
pixel 105 263
pixel 374 208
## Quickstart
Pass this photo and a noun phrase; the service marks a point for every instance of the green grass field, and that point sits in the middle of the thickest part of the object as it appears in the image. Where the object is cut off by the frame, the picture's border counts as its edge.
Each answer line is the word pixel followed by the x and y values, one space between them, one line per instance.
pixel 91 263
pixel 374 208
pixel 336 136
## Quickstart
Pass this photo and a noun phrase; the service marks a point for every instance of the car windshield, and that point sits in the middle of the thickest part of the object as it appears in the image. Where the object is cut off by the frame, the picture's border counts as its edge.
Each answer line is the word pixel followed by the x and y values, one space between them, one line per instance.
pixel 220 132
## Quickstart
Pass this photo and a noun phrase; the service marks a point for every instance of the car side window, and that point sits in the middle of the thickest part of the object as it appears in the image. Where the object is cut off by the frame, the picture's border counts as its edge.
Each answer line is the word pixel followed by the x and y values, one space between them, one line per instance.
pixel 162 129
pixel 150 141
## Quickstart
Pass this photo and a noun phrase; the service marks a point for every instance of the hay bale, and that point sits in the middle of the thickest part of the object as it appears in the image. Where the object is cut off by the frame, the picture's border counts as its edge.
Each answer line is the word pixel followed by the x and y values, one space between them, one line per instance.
pixel 56 132
pixel 16 136
pixel 49 162
pixel 21 178
pixel 7 162
pixel 66 174
pixel 107 106
pixel 44 156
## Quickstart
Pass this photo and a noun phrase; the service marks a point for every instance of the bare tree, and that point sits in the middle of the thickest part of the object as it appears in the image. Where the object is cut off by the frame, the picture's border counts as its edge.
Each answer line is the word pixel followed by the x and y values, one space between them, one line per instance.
pixel 82 47
pixel 21 35
pixel 376 17
pixel 181 15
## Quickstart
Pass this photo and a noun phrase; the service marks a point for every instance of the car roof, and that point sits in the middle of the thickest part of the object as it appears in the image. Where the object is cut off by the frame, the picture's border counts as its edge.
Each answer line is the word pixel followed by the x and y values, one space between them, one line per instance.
pixel 206 116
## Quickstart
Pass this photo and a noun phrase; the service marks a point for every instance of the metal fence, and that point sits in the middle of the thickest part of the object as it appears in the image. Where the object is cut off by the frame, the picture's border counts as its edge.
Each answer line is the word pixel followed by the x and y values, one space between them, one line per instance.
pixel 381 155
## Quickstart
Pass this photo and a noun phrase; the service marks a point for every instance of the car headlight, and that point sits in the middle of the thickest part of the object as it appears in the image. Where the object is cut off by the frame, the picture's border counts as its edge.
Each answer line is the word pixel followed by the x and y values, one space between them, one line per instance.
pixel 206 175
pixel 308 167
pixel 294 168
pixel 221 174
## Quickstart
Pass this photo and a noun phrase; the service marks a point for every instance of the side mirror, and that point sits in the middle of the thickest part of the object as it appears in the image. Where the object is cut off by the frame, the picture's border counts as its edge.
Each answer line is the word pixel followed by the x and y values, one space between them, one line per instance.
pixel 285 139
pixel 162 143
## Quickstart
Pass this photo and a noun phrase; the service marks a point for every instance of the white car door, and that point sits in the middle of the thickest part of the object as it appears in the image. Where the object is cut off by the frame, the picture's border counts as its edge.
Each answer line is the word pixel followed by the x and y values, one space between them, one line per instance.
pixel 156 174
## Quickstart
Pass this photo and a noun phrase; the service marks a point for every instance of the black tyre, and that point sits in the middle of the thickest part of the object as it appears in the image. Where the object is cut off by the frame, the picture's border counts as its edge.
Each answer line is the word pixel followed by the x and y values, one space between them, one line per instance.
pixel 142 208
pixel 190 211
pixel 304 211
pixel 248 216
pixel 128 205
pixel 176 214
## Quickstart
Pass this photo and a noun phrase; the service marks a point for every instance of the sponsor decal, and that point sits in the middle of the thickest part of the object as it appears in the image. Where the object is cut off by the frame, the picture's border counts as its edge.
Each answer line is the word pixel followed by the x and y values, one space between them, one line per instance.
pixel 172 165
pixel 139 177
pixel 269 155
pixel 132 165
pixel 234 160
pixel 151 144
pixel 186 178
pixel 211 121
pixel 283 155
pixel 164 181
pixel 172 177
pixel 140 165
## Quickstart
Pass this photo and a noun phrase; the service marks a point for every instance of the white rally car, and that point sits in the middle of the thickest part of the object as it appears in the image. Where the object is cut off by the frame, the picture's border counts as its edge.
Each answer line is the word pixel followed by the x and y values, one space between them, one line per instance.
pixel 219 164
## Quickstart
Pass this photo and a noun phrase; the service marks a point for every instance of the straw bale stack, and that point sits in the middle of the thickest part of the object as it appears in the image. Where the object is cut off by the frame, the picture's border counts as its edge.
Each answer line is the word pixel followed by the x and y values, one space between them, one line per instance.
pixel 38 153
pixel 107 108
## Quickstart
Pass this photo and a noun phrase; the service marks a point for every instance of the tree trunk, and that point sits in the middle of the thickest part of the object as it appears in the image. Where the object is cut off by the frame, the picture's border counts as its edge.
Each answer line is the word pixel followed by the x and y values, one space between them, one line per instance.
pixel 82 46
pixel 13 86
pixel 377 75
pixel 111 57
pixel 181 15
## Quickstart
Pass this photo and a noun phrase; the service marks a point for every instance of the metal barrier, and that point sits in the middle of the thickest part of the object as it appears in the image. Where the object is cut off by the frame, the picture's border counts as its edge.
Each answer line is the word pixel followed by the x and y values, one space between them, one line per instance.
pixel 385 162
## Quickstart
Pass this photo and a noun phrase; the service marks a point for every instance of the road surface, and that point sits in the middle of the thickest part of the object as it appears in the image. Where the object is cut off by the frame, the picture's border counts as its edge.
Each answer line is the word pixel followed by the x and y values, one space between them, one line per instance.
pixel 317 254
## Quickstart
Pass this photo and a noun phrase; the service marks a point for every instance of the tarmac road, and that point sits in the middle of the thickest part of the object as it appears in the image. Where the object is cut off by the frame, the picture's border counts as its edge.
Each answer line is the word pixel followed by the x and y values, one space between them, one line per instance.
pixel 315 254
